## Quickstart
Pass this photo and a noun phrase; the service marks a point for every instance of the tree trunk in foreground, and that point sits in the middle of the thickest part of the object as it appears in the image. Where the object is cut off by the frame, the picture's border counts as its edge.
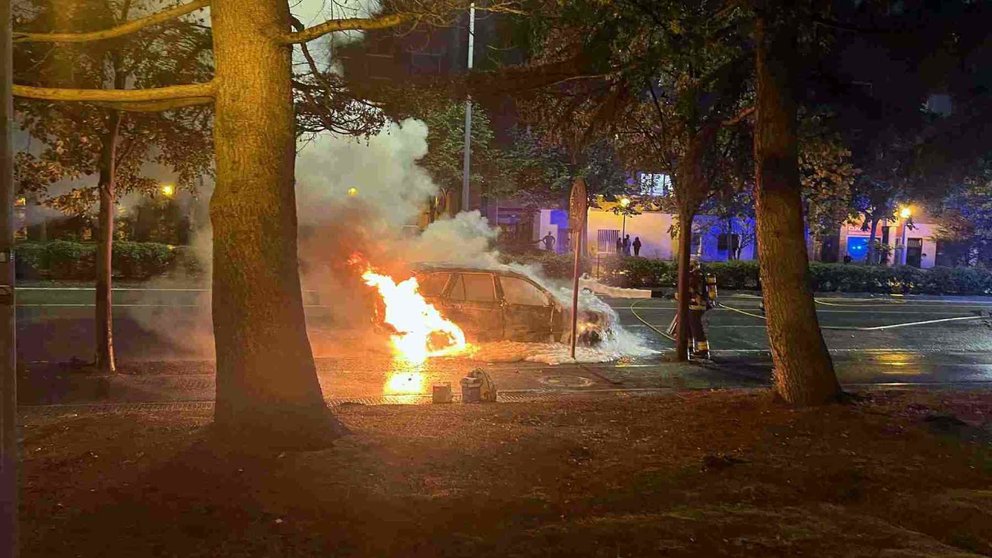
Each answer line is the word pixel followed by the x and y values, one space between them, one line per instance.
pixel 872 236
pixel 682 310
pixel 105 360
pixel 693 187
pixel 267 389
pixel 804 373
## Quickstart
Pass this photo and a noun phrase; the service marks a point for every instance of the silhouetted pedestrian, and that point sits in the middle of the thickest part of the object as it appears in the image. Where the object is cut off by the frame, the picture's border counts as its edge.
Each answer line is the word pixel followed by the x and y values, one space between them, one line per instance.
pixel 626 245
pixel 637 246
pixel 549 242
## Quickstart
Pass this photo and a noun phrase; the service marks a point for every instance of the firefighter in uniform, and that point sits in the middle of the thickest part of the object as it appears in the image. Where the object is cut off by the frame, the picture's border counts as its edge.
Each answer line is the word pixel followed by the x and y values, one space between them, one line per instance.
pixel 702 297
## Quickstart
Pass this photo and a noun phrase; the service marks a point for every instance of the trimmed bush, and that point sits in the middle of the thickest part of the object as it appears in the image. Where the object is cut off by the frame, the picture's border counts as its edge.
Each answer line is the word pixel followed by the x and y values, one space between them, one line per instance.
pixel 142 260
pixel 743 275
pixel 67 260
pixel 556 266
pixel 735 274
pixel 58 259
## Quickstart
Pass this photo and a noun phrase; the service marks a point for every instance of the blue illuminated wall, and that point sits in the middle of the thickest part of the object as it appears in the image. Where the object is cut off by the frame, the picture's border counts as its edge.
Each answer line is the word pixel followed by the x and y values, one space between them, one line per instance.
pixel 857 247
pixel 559 218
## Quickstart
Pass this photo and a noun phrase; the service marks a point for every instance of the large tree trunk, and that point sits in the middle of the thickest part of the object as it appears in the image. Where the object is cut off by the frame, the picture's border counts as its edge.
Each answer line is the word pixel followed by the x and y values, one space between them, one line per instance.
pixel 105 361
pixel 693 186
pixel 267 387
pixel 804 373
pixel 872 252
pixel 682 311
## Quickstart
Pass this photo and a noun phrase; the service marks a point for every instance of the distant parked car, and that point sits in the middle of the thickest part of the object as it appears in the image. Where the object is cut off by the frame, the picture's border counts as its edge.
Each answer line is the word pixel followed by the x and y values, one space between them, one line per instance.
pixel 492 305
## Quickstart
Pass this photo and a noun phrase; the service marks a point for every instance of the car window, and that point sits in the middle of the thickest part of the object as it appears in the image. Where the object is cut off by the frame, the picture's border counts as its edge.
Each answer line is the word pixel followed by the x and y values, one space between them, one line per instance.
pixel 473 287
pixel 432 284
pixel 457 290
pixel 518 291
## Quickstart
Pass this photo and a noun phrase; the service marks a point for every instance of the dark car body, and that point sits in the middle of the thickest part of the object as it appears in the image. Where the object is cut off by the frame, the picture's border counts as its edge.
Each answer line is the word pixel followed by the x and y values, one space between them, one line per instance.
pixel 500 304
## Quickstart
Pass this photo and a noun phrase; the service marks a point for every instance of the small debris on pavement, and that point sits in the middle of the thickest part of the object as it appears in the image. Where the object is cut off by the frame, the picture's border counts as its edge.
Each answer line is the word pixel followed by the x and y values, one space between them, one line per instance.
pixel 442 393
pixel 720 461
pixel 478 386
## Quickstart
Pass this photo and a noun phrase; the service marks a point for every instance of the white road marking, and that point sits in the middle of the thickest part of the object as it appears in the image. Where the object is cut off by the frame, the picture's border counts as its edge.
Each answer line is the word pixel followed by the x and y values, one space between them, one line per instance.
pixel 819 311
pixel 871 328
pixel 163 289
pixel 118 305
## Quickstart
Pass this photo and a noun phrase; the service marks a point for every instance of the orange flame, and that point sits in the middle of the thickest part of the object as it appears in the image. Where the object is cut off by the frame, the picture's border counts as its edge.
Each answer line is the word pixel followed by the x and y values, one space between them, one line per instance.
pixel 422 331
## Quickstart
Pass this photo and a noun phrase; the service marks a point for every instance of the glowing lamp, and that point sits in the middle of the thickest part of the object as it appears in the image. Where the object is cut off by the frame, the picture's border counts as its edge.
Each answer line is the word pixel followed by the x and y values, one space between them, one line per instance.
pixel 906 212
pixel 352 192
pixel 624 202
pixel 168 190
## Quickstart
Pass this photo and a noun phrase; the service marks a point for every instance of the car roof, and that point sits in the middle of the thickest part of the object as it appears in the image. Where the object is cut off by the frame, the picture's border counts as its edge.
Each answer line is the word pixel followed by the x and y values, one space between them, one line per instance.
pixel 451 268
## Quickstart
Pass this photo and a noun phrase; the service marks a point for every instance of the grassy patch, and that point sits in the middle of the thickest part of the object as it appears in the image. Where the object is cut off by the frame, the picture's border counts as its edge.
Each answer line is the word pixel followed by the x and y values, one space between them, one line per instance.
pixel 704 474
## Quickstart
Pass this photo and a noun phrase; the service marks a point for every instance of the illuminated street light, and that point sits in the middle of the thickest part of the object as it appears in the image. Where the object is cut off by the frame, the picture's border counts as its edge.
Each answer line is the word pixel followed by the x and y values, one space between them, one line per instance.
pixel 624 203
pixel 168 190
pixel 905 213
pixel 352 192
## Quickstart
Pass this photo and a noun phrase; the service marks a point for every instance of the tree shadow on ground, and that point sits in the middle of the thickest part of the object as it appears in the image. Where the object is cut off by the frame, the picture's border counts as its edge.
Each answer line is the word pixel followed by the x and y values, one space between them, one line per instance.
pixel 707 474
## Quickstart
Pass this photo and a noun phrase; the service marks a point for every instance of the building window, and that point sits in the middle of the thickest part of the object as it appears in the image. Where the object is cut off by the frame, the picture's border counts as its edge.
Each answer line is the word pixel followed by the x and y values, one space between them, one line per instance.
pixel 728 242
pixel 696 244
pixel 655 184
pixel 606 240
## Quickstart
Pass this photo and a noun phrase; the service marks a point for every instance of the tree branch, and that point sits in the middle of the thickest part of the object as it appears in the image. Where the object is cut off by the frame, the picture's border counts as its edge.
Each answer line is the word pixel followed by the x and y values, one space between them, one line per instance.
pixel 739 117
pixel 348 24
pixel 159 98
pixel 156 106
pixel 113 32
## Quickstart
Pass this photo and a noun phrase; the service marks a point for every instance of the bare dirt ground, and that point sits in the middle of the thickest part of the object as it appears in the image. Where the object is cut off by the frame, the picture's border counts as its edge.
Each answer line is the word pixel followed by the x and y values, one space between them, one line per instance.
pixel 695 474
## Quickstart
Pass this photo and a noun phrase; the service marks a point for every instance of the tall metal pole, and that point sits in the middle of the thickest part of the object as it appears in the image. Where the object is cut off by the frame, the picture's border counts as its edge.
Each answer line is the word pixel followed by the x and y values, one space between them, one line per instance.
pixel 577 209
pixel 466 167
pixel 902 256
pixel 8 362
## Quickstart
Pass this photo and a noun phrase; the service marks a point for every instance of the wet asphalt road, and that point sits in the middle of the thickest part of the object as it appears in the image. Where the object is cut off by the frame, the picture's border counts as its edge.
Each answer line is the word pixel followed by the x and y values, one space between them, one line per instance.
pixel 874 340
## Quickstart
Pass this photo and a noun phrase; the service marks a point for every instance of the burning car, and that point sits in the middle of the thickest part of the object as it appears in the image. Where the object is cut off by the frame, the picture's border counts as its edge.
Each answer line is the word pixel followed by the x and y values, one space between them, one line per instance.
pixel 492 305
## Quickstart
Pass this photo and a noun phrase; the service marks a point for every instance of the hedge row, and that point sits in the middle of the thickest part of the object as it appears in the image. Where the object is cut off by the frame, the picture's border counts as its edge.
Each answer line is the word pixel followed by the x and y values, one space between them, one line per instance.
pixel 743 275
pixel 67 260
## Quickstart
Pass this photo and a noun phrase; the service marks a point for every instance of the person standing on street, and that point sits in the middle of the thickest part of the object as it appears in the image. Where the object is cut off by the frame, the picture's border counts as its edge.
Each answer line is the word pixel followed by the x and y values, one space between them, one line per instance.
pixel 637 246
pixel 702 297
pixel 626 245
pixel 619 245
pixel 549 242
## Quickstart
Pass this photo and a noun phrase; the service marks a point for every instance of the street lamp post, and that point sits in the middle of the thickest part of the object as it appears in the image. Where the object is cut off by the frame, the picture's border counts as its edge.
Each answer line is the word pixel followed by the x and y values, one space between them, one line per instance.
pixel 624 203
pixel 905 213
pixel 467 162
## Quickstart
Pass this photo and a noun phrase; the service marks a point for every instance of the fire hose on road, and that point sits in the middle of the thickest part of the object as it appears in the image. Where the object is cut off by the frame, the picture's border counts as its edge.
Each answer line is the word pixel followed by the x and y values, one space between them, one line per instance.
pixel 868 328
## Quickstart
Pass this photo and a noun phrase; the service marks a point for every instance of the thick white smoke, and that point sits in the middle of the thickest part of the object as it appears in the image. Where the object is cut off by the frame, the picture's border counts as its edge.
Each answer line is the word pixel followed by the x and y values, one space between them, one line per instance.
pixel 334 172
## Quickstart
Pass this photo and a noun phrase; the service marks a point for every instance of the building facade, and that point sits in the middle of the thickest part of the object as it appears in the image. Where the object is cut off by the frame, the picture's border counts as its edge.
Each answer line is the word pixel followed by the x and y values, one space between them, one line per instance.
pixel 898 241
pixel 716 239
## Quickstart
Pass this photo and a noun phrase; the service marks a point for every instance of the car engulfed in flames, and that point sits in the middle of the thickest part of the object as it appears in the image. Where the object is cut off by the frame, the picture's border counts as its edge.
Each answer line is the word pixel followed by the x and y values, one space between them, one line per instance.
pixel 487 305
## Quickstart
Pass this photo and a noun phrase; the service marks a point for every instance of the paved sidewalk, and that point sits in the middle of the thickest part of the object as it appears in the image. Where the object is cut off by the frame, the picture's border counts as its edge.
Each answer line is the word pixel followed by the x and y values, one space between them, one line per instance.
pixel 372 379
pixel 344 380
